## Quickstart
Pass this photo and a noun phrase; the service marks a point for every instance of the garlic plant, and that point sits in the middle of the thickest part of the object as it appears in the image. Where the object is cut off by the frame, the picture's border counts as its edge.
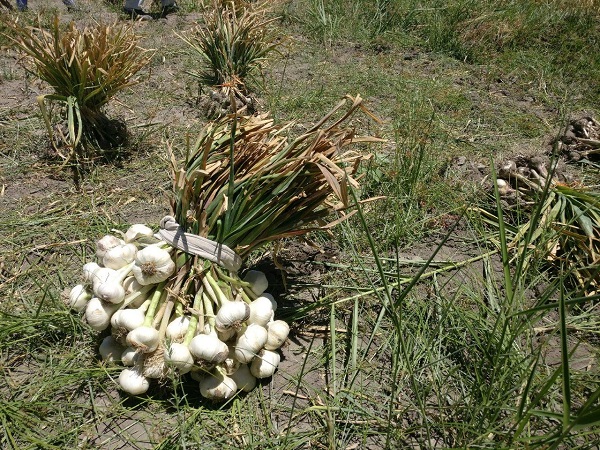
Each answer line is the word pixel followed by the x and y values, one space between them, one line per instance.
pixel 176 300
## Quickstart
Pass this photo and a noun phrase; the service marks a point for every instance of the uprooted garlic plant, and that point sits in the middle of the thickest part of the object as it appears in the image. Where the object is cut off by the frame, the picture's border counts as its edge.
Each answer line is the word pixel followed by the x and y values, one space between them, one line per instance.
pixel 556 218
pixel 175 301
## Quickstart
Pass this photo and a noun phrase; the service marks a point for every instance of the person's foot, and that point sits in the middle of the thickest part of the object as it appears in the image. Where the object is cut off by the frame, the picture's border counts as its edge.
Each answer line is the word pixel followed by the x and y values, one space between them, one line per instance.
pixel 137 14
pixel 169 9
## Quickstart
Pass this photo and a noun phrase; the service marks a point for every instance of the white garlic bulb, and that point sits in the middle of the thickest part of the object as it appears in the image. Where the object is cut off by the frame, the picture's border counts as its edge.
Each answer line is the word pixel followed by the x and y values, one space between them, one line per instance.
pixel 179 356
pixel 129 319
pixel 98 313
pixel 102 275
pixel 258 281
pixel 261 311
pixel 110 350
pixel 88 272
pixel 227 335
pixel 137 231
pixel 79 297
pixel 130 356
pixel 208 347
pixel 144 339
pixel 110 292
pixel 271 299
pixel 250 342
pixel 153 265
pixel 133 381
pixel 217 387
pixel 277 333
pixel 119 256
pixel 243 378
pixel 178 327
pixel 231 315
pixel 106 243
pixel 265 364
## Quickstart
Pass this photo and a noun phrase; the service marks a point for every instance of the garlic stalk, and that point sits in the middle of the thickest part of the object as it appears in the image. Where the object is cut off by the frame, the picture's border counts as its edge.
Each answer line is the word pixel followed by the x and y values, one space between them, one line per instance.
pixel 178 355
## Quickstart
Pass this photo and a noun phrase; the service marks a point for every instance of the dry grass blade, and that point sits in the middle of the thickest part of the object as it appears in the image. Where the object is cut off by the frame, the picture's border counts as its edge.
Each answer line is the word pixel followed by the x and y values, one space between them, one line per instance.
pixel 280 188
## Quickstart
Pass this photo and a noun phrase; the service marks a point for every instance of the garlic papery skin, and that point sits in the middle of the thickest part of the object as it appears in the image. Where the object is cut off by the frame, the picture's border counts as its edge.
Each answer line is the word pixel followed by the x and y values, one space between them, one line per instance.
pixel 277 333
pixel 110 350
pixel 153 265
pixel 119 256
pixel 243 378
pixel 227 335
pixel 129 319
pixel 98 313
pixel 144 338
pixel 217 387
pixel 106 243
pixel 88 272
pixel 250 342
pixel 178 327
pixel 208 347
pixel 137 231
pixel 265 364
pixel 258 281
pixel 133 381
pixel 79 297
pixel 130 356
pixel 231 315
pixel 179 356
pixel 261 311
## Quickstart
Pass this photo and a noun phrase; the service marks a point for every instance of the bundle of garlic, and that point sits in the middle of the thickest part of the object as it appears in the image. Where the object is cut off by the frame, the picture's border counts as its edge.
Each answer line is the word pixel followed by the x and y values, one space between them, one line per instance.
pixel 175 300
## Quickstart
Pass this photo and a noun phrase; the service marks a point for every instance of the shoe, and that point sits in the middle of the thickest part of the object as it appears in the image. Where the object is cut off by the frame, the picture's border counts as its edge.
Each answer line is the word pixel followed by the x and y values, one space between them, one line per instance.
pixel 170 9
pixel 137 14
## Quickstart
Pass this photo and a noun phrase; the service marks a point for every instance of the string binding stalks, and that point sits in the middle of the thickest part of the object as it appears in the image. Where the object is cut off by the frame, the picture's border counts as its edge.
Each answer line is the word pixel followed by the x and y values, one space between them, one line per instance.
pixel 179 301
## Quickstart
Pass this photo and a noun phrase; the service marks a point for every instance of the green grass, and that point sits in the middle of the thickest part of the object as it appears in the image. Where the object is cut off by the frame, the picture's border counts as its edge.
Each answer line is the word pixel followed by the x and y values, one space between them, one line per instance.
pixel 398 341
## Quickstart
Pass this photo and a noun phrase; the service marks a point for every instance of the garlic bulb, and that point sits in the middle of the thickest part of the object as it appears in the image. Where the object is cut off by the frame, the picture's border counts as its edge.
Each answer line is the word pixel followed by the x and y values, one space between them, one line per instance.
pixel 129 319
pixel 98 313
pixel 119 256
pixel 231 315
pixel 265 365
pixel 243 378
pixel 178 327
pixel 227 335
pixel 271 299
pixel 106 243
pixel 144 339
pixel 179 356
pixel 137 231
pixel 277 333
pixel 258 281
pixel 79 298
pixel 250 342
pixel 130 356
pixel 261 311
pixel 110 350
pixel 133 381
pixel 208 347
pixel 108 283
pixel 88 272
pixel 153 265
pixel 217 387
